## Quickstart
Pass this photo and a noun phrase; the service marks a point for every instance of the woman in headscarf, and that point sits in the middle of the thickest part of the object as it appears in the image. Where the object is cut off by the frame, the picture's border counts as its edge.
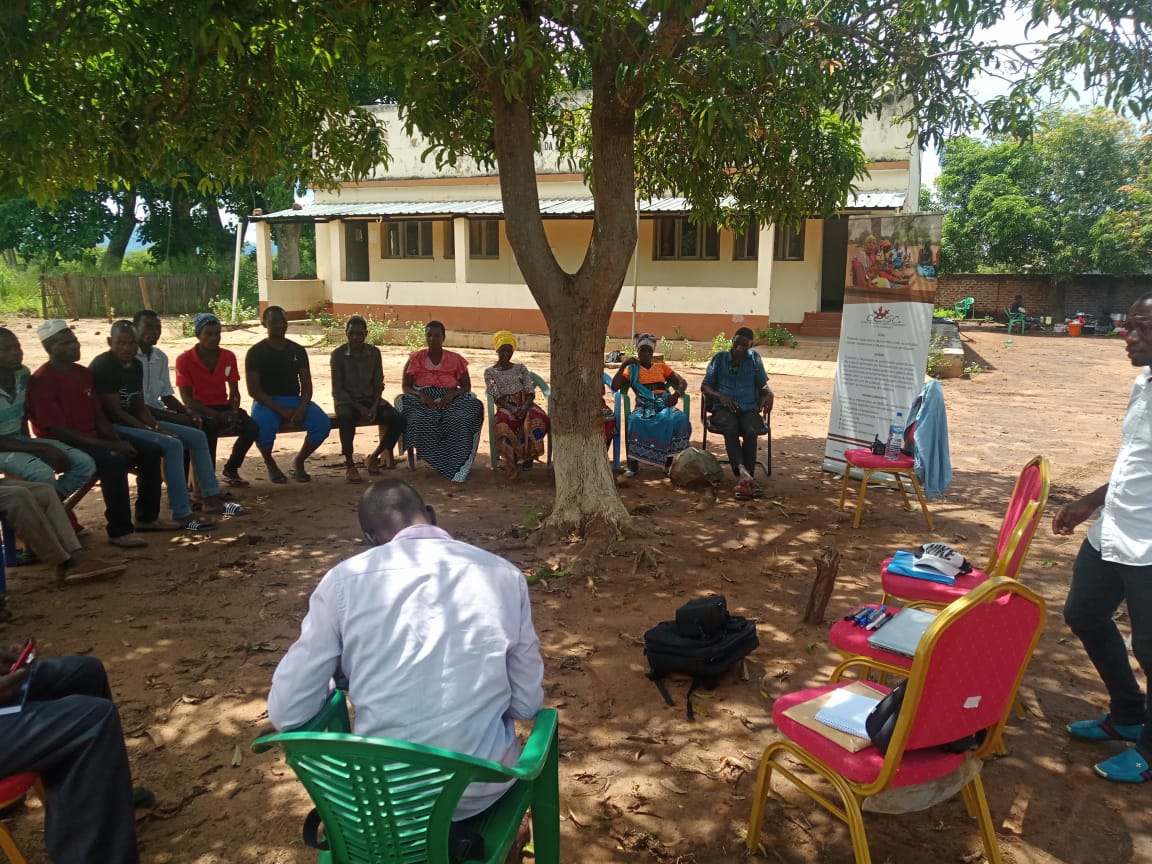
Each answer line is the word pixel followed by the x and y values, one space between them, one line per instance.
pixel 520 423
pixel 657 430
pixel 207 377
pixel 443 418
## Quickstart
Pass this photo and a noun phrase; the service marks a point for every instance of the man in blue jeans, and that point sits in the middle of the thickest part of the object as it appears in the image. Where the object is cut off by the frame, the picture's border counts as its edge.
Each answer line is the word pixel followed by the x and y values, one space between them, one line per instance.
pixel 1114 566
pixel 118 378
pixel 68 732
pixel 37 460
pixel 174 417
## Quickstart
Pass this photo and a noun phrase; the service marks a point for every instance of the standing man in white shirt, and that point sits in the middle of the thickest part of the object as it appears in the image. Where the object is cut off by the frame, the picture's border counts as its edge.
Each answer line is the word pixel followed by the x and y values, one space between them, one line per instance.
pixel 1115 566
pixel 435 637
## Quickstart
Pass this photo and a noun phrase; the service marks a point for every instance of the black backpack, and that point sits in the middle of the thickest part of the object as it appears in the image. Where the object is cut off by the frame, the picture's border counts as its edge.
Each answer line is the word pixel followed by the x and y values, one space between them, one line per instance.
pixel 703 642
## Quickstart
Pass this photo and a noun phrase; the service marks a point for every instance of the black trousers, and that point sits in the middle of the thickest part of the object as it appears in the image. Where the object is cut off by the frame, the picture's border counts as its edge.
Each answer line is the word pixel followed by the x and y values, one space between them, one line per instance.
pixel 112 469
pixel 348 416
pixel 246 436
pixel 740 432
pixel 1098 588
pixel 69 733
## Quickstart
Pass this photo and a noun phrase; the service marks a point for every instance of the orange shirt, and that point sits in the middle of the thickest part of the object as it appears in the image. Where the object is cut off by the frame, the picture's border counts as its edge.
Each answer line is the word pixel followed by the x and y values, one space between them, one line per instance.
pixel 446 373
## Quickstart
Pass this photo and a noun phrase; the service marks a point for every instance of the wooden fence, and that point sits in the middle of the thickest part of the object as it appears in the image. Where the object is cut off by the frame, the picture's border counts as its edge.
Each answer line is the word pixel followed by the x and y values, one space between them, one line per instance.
pixel 121 296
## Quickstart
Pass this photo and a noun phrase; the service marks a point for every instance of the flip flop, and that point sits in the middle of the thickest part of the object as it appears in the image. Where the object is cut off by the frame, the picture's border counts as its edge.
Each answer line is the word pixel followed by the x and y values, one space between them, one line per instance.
pixel 196 526
pixel 234 481
pixel 278 479
pixel 300 476
pixel 229 508
pixel 80 574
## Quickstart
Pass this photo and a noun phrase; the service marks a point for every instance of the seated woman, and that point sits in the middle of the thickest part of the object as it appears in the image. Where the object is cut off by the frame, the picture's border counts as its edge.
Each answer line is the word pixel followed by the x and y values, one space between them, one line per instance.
pixel 739 400
pixel 521 424
pixel 442 416
pixel 657 430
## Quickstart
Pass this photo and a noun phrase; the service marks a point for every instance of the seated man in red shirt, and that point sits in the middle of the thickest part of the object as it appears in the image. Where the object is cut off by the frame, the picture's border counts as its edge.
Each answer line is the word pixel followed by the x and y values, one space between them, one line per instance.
pixel 62 404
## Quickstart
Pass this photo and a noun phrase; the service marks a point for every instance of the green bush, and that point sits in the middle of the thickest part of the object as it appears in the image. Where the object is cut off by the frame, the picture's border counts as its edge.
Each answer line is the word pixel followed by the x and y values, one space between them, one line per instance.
pixel 720 342
pixel 19 291
pixel 940 312
pixel 775 335
pixel 221 307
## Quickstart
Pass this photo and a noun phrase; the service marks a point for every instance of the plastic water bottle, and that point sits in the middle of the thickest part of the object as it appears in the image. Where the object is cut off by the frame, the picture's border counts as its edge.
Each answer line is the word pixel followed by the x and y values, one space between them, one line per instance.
pixel 895 438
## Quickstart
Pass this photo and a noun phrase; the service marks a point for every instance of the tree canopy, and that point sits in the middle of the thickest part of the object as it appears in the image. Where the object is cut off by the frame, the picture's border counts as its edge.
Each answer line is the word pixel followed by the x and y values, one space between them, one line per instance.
pixel 755 99
pixel 1071 199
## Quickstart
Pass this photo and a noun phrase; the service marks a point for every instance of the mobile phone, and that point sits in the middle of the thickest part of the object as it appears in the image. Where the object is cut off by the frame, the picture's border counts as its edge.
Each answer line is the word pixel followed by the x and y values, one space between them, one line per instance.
pixel 27 655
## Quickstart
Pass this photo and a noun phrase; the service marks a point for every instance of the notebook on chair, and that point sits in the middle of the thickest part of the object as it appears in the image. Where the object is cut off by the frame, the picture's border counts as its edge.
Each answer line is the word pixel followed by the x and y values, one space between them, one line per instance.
pixel 902 634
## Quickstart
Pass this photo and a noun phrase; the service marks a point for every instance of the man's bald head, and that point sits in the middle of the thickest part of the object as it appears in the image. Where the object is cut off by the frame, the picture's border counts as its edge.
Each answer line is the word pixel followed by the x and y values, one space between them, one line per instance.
pixel 389 506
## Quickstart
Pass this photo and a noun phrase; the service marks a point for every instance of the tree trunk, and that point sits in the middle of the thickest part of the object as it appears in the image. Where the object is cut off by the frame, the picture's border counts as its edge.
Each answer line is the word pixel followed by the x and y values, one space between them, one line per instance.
pixel 179 243
pixel 576 307
pixel 121 234
pixel 220 239
pixel 287 236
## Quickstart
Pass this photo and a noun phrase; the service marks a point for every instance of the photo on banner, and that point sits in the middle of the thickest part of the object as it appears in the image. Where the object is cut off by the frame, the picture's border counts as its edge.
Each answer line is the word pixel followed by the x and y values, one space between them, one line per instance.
pixel 889 294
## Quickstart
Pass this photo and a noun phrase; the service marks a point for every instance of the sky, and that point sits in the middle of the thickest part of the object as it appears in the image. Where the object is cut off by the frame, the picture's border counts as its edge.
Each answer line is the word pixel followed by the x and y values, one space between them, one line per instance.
pixel 1010 30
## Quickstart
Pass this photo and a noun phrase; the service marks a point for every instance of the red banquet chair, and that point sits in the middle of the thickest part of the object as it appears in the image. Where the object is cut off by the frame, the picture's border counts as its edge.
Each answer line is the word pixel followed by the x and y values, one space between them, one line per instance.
pixel 12 789
pixel 901 468
pixel 964 678
pixel 1025 508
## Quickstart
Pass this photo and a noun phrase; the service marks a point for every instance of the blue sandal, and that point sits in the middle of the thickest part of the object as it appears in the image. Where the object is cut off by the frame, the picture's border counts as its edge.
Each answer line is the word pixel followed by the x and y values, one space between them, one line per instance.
pixel 1127 767
pixel 1103 729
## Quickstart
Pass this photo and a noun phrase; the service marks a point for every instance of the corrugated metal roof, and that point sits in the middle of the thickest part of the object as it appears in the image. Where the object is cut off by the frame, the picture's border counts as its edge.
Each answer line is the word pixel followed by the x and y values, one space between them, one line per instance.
pixel 555 207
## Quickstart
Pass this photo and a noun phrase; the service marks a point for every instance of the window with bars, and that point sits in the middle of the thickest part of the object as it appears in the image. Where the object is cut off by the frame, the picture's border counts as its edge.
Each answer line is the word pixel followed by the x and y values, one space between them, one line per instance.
pixel 679 239
pixel 409 238
pixel 484 238
pixel 747 244
pixel 789 244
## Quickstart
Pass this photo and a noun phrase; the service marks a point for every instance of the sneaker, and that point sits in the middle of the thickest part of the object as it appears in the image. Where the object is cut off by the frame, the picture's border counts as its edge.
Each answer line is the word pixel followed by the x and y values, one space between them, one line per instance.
pixel 1102 729
pixel 128 541
pixel 1129 766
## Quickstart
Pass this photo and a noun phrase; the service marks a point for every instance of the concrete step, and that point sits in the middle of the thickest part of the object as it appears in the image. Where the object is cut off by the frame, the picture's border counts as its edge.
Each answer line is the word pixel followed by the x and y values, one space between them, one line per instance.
pixel 821 324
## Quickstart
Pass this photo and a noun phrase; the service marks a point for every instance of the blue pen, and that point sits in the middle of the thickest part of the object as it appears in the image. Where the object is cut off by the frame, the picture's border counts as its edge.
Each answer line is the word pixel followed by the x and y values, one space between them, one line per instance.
pixel 865 616
pixel 876 619
pixel 875 613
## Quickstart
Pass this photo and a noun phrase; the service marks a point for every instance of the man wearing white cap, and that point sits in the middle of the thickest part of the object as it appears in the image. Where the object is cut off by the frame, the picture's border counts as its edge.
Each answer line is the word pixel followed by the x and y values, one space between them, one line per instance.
pixel 62 403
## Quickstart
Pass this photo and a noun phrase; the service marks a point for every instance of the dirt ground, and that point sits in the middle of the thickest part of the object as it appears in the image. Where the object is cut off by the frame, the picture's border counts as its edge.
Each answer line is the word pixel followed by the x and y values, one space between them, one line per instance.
pixel 192 633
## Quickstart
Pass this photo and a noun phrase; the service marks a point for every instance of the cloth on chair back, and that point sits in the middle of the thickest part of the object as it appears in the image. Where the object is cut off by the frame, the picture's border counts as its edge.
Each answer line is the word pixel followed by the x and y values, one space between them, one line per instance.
pixel 933 457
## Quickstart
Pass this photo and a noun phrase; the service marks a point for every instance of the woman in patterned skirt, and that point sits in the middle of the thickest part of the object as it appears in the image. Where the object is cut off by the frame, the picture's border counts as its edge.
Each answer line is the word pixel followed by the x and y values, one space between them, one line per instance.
pixel 443 416
pixel 520 423
pixel 657 430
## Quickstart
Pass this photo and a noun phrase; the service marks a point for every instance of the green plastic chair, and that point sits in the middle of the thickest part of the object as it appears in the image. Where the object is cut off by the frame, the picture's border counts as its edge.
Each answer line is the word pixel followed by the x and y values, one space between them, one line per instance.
pixel 964 307
pixel 389 802
pixel 1015 319
pixel 543 387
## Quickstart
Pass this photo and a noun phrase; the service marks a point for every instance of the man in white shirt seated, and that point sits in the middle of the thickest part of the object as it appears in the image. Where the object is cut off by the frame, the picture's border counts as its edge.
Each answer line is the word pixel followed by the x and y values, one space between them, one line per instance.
pixel 435 637
pixel 1114 565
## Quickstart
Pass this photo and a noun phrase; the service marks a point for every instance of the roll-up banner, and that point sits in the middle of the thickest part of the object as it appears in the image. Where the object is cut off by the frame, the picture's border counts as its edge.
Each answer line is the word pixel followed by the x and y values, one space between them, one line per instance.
pixel 889 294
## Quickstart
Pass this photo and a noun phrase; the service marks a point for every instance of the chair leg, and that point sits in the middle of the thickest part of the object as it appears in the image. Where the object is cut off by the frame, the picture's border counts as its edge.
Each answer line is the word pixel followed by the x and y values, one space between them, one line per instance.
pixel 8 846
pixel 844 484
pixel 898 476
pixel 759 801
pixel 923 504
pixel 860 498
pixel 987 830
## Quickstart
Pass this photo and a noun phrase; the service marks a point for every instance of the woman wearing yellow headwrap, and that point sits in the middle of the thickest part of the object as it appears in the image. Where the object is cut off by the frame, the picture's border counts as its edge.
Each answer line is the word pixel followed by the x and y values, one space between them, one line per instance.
pixel 520 425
